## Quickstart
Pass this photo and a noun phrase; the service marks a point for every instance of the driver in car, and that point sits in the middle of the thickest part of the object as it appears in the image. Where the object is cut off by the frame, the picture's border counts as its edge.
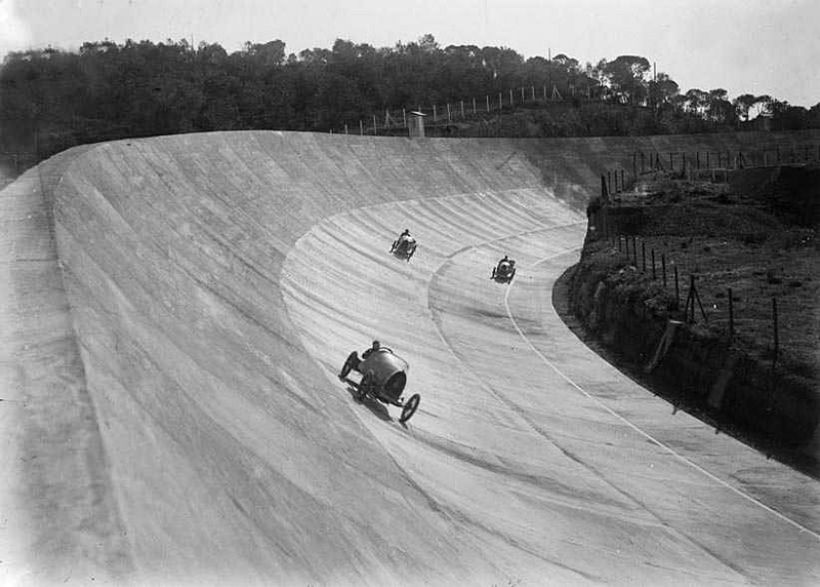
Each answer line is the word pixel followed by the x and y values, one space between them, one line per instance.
pixel 353 360
pixel 404 237
pixel 373 348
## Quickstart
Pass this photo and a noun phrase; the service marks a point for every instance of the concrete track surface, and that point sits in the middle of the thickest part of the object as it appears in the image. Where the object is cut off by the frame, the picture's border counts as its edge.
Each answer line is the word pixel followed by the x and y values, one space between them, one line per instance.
pixel 174 312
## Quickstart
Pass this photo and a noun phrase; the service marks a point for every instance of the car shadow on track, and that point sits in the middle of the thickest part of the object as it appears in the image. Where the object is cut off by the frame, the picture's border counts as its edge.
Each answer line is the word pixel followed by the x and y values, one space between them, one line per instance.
pixel 374 405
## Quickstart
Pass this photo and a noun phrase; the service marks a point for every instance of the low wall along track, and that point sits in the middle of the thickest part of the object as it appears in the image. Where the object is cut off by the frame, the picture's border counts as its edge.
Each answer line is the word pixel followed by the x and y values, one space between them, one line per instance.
pixel 175 311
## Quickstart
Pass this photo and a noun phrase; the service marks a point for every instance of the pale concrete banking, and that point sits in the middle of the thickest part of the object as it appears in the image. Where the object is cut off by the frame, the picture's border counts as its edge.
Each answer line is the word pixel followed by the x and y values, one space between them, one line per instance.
pixel 173 415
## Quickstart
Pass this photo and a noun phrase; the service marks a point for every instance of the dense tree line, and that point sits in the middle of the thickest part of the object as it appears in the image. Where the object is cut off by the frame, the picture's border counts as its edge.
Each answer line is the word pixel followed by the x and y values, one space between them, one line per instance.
pixel 51 99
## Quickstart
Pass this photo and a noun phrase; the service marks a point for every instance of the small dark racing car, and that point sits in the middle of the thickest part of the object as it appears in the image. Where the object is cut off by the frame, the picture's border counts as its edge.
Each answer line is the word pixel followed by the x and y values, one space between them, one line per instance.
pixel 404 247
pixel 504 271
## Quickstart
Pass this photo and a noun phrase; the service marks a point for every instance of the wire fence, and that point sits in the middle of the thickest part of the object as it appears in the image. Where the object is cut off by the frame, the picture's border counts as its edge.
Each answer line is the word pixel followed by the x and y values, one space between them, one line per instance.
pixel 734 318
pixel 680 272
pixel 469 110
pixel 709 165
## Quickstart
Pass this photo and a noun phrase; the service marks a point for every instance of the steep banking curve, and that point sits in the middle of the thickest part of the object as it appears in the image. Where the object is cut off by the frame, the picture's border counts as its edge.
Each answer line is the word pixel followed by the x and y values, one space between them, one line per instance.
pixel 214 417
pixel 226 454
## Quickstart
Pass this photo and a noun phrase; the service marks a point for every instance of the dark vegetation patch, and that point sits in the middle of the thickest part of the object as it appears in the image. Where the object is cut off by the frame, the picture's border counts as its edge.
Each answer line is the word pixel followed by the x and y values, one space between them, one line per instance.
pixel 760 242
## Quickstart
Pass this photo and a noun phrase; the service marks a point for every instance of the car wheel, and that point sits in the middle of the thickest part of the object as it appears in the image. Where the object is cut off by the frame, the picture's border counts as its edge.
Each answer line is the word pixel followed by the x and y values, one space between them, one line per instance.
pixel 345 369
pixel 410 408
pixel 364 386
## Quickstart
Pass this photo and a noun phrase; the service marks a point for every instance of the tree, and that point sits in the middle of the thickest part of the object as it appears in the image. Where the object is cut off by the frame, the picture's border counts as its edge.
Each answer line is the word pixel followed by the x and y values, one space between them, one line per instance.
pixel 719 109
pixel 627 78
pixel 743 104
pixel 661 91
pixel 697 102
pixel 270 54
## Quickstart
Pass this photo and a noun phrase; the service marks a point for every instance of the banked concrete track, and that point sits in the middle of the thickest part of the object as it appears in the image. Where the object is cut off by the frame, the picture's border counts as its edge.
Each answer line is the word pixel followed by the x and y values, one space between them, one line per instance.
pixel 174 313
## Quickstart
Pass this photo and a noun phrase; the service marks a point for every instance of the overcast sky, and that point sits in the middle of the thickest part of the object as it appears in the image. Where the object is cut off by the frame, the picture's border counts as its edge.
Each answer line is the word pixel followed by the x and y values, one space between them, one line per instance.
pixel 755 46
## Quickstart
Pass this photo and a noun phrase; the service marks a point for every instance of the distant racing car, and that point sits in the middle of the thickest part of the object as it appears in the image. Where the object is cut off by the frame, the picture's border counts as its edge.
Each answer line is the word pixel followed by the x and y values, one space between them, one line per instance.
pixel 504 271
pixel 404 246
pixel 384 376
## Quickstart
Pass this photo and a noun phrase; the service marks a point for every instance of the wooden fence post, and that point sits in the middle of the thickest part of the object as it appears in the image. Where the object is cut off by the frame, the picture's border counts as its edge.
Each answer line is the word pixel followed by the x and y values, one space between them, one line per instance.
pixel 663 268
pixel 776 332
pixel 677 288
pixel 643 255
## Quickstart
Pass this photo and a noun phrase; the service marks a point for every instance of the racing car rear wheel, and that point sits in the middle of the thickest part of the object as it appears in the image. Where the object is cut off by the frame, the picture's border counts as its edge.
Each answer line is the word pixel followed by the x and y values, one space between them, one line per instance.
pixel 410 408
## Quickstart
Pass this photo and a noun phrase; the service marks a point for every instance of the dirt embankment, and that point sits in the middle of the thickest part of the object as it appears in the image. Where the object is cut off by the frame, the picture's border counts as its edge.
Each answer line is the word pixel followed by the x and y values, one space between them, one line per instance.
pixel 751 245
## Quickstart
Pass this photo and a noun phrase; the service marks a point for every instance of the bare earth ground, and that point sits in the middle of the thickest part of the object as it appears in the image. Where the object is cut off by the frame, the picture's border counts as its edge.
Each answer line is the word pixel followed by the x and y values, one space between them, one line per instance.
pixel 732 241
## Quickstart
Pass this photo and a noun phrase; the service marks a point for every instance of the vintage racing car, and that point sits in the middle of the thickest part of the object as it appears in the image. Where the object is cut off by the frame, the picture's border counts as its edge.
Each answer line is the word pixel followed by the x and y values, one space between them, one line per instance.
pixel 404 247
pixel 384 375
pixel 504 271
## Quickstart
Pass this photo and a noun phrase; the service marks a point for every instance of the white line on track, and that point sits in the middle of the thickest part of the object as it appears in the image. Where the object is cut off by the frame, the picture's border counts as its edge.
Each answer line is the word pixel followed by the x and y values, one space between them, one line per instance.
pixel 637 429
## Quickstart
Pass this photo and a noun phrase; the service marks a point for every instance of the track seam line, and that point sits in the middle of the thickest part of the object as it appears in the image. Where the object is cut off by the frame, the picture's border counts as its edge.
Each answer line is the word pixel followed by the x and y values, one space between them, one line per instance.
pixel 636 428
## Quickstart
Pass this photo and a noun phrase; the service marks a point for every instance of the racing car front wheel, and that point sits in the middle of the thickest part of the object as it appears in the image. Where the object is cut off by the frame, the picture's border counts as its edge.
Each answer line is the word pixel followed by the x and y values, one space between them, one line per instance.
pixel 410 408
pixel 364 386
